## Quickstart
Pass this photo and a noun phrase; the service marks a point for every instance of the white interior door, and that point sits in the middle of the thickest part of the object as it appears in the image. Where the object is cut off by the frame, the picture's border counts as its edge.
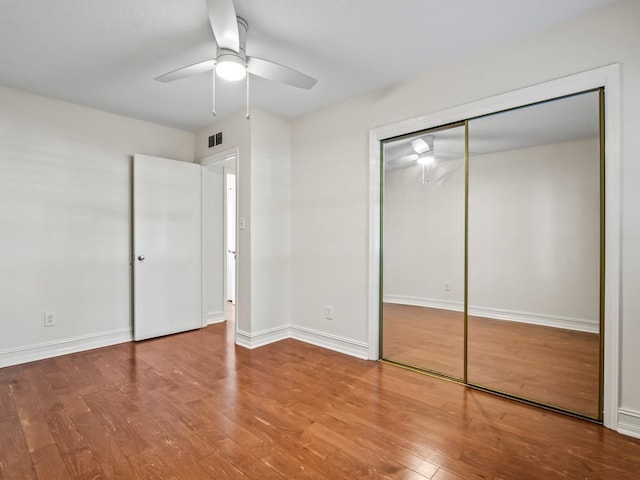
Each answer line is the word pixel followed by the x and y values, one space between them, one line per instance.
pixel 231 237
pixel 166 246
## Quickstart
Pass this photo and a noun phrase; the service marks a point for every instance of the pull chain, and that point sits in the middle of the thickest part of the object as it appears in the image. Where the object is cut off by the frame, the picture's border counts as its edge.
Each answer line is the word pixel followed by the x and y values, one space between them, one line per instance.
pixel 213 93
pixel 248 111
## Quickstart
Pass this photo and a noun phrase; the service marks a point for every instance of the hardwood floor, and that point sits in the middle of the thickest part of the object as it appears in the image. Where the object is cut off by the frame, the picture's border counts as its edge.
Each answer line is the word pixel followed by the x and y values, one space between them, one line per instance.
pixel 549 365
pixel 427 338
pixel 195 406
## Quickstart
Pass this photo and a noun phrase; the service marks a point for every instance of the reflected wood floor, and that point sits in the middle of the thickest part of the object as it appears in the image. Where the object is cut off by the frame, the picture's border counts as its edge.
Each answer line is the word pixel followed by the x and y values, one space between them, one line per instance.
pixel 549 365
pixel 195 406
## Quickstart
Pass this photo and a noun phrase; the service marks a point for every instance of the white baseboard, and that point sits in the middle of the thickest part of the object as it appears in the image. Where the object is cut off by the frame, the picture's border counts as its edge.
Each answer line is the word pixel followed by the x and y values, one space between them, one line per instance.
pixel 40 351
pixel 425 302
pixel 264 337
pixel 214 317
pixel 307 335
pixel 331 342
pixel 567 323
pixel 629 422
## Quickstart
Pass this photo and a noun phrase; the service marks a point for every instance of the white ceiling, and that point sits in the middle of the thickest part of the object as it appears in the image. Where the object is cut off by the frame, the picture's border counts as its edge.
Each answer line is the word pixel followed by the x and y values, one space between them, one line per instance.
pixel 105 53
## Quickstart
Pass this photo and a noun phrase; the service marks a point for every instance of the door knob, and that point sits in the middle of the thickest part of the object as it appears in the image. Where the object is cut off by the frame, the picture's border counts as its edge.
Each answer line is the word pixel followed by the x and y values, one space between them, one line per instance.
pixel 141 258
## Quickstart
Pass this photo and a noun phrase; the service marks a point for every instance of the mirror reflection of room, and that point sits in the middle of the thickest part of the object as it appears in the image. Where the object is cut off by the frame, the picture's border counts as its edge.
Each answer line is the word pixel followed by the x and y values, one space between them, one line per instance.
pixel 534 253
pixel 533 236
pixel 423 251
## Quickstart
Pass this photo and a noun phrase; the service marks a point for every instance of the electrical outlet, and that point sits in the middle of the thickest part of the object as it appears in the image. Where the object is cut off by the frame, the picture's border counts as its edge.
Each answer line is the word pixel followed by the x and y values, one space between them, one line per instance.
pixel 447 287
pixel 328 312
pixel 49 319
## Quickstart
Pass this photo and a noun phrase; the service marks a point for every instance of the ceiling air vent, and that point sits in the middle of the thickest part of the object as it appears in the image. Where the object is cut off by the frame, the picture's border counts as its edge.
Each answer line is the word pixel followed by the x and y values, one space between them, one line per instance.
pixel 215 140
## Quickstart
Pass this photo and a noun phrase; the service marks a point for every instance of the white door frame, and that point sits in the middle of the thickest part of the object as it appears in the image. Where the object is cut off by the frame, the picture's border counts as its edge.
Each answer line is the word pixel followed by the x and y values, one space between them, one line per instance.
pixel 607 77
pixel 227 159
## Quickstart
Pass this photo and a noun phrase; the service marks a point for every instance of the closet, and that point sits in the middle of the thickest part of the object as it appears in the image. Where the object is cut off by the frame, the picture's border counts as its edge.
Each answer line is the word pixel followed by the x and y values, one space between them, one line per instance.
pixel 492 252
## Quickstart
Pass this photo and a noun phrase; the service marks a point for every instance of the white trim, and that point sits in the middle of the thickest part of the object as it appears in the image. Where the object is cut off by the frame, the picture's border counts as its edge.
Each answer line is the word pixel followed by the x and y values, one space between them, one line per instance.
pixel 374 244
pixel 332 342
pixel 425 302
pixel 613 226
pixel 544 319
pixel 303 334
pixel 39 351
pixel 607 76
pixel 215 317
pixel 629 422
pixel 556 321
pixel 227 155
pixel 264 337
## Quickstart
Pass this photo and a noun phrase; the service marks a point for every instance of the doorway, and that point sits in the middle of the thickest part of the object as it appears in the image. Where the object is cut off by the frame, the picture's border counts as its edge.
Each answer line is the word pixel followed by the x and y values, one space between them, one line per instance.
pixel 220 253
pixel 230 233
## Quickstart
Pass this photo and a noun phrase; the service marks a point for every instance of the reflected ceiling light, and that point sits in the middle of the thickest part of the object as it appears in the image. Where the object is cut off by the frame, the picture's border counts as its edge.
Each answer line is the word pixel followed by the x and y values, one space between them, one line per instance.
pixel 426 159
pixel 231 67
pixel 420 146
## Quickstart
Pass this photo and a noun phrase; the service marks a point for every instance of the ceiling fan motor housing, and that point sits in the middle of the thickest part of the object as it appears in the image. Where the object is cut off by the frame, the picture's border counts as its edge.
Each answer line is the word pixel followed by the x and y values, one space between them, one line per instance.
pixel 232 65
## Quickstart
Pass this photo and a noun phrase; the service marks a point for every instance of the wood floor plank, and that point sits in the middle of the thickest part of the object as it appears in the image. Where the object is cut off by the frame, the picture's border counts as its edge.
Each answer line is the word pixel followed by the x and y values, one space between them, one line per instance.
pixel 111 414
pixel 149 465
pixel 246 460
pixel 221 468
pixel 168 445
pixel 15 460
pixel 108 454
pixel 82 464
pixel 443 474
pixel 49 464
pixel 196 406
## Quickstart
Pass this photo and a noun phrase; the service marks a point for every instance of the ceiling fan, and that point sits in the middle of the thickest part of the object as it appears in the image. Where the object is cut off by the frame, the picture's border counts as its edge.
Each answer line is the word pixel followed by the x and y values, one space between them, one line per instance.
pixel 425 154
pixel 231 61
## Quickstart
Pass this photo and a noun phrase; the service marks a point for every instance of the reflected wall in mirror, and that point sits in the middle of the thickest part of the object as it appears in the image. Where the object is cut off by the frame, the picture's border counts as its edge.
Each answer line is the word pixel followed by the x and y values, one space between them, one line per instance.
pixel 422 319
pixel 534 227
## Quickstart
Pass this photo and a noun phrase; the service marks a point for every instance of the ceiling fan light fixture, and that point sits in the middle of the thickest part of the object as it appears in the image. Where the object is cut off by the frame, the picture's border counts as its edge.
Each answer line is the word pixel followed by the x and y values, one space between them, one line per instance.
pixel 231 67
pixel 426 159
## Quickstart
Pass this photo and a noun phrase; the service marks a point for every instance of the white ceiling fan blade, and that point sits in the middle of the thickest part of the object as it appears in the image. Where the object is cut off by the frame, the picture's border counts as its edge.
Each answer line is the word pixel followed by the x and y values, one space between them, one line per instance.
pixel 449 154
pixel 406 159
pixel 279 73
pixel 222 16
pixel 188 71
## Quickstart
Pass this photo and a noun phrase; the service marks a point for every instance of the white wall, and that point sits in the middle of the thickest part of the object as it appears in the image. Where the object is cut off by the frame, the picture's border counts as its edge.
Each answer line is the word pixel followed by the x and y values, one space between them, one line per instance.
pixel 264 200
pixel 424 235
pixel 534 231
pixel 330 168
pixel 64 215
pixel 271 221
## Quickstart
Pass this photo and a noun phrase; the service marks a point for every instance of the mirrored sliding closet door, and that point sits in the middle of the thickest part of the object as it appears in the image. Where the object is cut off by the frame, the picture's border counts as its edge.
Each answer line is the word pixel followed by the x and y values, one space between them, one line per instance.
pixel 492 256
pixel 422 308
pixel 534 253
